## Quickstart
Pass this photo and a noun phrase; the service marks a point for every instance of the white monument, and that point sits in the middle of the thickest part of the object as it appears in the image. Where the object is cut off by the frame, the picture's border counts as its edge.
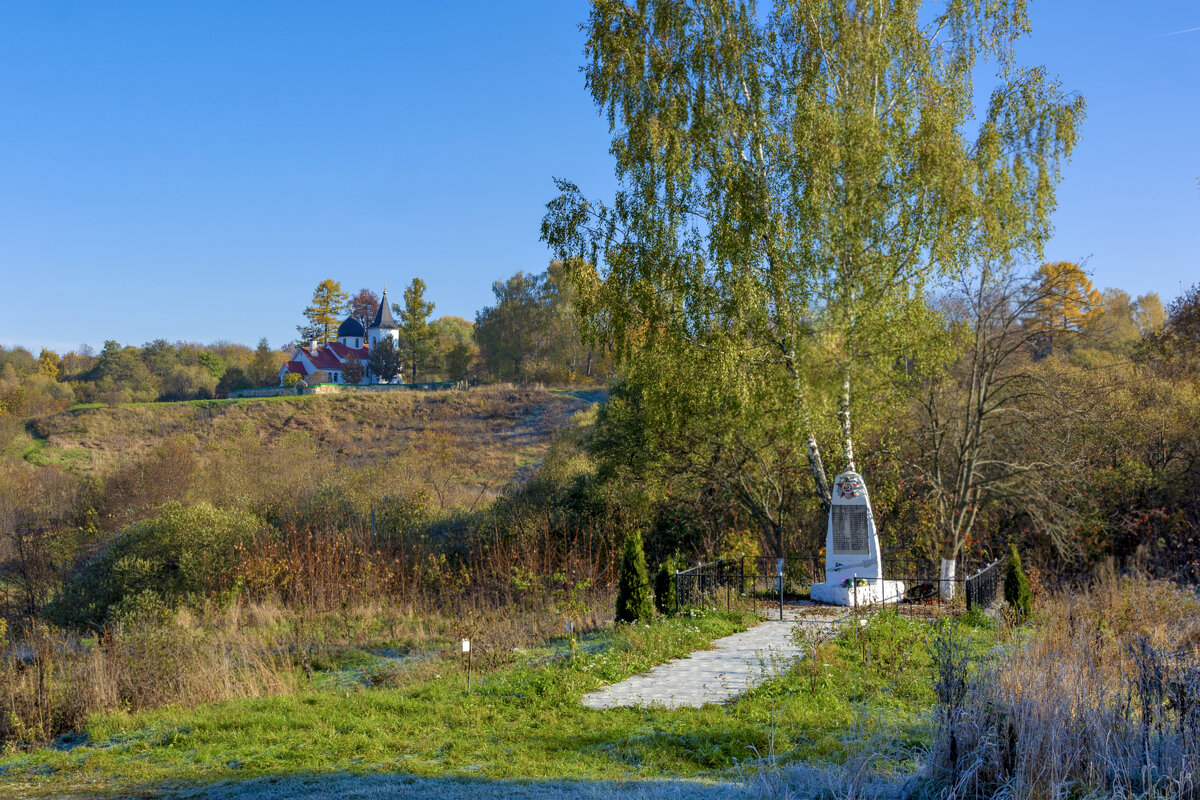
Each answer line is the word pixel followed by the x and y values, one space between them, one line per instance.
pixel 853 564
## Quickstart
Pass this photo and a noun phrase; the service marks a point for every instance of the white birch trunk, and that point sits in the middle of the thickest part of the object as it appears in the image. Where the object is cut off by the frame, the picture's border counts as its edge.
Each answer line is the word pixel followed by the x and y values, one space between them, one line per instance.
pixel 946 579
pixel 847 441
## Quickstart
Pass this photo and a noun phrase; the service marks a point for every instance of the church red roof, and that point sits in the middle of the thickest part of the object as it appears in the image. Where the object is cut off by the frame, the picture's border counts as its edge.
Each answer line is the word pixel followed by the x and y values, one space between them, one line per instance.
pixel 329 356
pixel 322 358
pixel 343 352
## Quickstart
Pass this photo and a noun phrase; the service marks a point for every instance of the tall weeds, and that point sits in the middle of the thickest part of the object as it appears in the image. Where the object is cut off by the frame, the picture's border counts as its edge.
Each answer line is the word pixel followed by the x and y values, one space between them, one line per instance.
pixel 1099 699
pixel 51 682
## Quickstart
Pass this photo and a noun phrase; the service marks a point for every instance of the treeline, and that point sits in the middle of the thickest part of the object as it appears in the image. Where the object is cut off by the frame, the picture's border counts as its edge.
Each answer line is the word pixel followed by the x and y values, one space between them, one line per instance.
pixel 534 332
pixel 158 370
pixel 531 334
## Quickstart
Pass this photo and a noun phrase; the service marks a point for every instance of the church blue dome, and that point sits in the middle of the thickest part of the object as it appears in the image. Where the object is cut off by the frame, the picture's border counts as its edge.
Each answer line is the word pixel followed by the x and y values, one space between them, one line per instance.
pixel 351 328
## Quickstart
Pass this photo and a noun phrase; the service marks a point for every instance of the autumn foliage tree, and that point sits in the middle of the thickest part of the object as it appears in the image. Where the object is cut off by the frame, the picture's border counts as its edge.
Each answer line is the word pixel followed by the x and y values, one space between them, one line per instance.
pixel 363 306
pixel 353 370
pixel 329 307
pixel 1068 301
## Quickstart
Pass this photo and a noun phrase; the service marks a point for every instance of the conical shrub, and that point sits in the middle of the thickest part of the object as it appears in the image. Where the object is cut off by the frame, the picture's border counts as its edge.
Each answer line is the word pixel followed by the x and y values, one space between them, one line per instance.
pixel 633 587
pixel 1016 587
pixel 664 586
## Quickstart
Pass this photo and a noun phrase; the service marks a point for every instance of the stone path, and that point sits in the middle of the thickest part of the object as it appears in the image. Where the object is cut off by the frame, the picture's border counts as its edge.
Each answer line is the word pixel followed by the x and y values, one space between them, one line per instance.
pixel 735 664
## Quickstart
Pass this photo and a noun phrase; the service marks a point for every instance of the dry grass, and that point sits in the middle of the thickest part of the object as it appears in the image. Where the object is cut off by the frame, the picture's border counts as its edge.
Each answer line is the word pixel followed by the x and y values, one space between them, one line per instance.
pixel 1100 699
pixel 456 448
pixel 51 681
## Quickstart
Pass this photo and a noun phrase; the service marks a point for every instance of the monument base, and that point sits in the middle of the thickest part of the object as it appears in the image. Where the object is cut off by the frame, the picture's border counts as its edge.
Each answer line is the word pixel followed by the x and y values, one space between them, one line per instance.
pixel 875 592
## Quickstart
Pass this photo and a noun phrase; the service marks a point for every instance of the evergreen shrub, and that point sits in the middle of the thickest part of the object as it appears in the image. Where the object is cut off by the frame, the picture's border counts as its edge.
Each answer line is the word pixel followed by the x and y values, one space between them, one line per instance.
pixel 1016 587
pixel 664 586
pixel 633 586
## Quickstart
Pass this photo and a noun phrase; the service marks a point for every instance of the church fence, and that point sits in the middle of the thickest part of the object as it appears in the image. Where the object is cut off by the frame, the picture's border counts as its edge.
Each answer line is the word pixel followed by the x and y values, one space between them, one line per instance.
pixel 342 388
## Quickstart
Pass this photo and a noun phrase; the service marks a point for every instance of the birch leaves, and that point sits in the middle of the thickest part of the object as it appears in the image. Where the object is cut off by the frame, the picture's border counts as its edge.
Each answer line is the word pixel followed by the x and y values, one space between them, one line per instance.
pixel 790 180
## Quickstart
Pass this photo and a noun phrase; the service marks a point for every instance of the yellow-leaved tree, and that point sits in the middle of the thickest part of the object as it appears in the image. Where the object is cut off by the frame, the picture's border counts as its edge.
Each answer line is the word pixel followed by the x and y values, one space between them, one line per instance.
pixel 330 304
pixel 1067 301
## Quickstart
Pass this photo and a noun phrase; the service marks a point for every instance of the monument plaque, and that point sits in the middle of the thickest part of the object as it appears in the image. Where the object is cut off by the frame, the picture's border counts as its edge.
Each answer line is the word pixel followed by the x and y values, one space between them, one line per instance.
pixel 853 566
pixel 850 531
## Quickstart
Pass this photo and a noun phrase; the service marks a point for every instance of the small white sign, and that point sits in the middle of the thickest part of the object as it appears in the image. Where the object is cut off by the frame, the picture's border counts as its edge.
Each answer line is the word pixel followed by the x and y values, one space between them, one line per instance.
pixel 466 645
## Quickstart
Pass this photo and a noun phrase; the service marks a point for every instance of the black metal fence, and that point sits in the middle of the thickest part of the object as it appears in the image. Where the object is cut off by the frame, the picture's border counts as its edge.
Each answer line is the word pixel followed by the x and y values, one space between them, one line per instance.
pixel 772 581
pixel 984 586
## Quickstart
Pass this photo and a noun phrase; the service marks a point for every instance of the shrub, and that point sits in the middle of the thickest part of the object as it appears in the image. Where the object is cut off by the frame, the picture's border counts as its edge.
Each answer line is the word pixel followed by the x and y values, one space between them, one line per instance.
pixel 633 587
pixel 664 586
pixel 1016 587
pixel 183 553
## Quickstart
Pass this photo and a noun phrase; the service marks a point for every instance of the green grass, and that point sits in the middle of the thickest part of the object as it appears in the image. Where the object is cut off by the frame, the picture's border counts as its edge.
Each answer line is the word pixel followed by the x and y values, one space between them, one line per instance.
pixel 522 720
pixel 209 403
pixel 36 453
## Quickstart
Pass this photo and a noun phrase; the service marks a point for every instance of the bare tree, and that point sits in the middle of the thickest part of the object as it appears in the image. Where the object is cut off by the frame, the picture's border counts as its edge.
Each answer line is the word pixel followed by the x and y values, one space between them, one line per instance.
pixel 987 421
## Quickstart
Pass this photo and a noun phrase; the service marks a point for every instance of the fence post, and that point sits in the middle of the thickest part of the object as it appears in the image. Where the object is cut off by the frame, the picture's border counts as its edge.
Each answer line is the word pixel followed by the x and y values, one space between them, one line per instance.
pixel 742 577
pixel 677 591
pixel 779 578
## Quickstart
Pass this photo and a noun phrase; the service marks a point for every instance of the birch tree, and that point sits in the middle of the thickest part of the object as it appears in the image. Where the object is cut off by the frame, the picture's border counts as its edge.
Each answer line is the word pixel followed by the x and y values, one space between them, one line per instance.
pixel 789 181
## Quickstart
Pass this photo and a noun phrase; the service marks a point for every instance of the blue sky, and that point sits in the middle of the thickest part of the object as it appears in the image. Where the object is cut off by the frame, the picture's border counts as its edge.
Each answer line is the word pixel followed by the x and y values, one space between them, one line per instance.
pixel 192 170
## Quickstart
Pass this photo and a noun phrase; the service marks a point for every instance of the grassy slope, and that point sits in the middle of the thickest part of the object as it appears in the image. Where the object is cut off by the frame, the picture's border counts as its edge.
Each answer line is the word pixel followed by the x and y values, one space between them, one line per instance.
pixel 522 721
pixel 460 448
pixel 352 427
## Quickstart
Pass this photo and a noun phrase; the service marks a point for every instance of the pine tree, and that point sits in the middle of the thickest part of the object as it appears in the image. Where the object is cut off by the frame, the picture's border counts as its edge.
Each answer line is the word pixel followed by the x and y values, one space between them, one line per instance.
pixel 384 359
pixel 1016 587
pixel 414 325
pixel 633 587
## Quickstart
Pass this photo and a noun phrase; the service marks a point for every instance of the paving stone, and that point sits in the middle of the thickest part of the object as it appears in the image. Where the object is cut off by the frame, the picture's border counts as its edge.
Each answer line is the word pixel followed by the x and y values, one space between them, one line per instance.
pixel 735 664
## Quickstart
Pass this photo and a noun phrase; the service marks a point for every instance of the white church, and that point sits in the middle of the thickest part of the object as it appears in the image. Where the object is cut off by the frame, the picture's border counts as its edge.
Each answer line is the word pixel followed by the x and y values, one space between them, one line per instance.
pixel 353 342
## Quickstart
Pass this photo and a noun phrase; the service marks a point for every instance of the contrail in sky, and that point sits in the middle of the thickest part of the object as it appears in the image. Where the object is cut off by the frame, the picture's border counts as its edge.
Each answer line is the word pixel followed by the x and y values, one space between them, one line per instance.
pixel 1175 33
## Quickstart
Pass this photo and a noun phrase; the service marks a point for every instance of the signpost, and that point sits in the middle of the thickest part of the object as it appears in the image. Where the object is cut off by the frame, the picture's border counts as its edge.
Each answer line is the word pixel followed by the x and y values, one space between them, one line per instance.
pixel 466 648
